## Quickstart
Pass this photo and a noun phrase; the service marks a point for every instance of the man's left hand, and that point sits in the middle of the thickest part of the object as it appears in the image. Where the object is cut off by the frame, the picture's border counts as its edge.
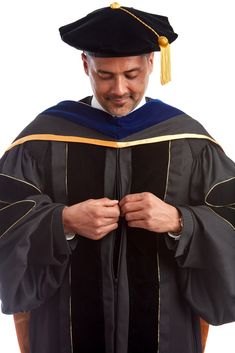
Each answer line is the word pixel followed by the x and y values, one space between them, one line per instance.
pixel 145 210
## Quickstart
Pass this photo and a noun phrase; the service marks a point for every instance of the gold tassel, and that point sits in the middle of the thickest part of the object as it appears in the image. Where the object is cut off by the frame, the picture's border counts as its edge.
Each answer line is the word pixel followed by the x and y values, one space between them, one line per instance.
pixel 165 60
pixel 162 42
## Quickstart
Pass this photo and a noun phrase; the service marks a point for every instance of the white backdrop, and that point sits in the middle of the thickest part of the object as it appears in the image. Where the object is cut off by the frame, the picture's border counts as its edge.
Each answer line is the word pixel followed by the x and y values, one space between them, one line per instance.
pixel 37 70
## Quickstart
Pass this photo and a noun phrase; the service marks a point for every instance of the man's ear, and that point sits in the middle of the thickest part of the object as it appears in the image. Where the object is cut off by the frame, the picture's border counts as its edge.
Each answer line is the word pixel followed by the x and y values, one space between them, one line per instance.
pixel 151 60
pixel 85 63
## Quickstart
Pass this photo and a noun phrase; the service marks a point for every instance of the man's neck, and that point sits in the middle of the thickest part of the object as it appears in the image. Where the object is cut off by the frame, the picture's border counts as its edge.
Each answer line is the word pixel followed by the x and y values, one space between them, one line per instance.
pixel 97 105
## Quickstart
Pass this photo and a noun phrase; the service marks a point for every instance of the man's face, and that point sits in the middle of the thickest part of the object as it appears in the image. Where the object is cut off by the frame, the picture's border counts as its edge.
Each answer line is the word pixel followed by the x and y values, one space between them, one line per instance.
pixel 118 83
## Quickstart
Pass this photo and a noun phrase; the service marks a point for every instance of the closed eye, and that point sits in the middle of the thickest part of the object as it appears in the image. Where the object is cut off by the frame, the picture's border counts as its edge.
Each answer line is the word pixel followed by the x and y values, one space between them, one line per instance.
pixel 131 76
pixel 105 75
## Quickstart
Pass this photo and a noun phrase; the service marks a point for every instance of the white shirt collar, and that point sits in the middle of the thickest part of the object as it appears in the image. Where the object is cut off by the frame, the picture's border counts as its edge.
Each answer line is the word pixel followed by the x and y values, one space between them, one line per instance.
pixel 97 105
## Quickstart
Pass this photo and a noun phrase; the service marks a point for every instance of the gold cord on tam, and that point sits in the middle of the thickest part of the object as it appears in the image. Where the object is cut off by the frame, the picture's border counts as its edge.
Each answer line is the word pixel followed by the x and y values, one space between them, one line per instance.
pixel 163 44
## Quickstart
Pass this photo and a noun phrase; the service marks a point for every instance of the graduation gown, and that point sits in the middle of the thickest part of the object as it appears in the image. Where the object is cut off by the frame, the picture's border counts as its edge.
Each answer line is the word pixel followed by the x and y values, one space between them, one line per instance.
pixel 134 291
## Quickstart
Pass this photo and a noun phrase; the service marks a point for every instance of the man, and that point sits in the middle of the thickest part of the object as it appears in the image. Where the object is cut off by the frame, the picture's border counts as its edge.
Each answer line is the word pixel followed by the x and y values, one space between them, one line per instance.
pixel 117 214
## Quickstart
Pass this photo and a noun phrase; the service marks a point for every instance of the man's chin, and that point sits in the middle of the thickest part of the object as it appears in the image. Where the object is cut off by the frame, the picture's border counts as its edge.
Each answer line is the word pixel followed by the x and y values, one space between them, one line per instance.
pixel 120 111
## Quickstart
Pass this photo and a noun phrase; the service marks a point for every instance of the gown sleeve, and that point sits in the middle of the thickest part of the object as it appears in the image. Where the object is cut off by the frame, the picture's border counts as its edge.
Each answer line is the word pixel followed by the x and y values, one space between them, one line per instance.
pixel 34 254
pixel 205 252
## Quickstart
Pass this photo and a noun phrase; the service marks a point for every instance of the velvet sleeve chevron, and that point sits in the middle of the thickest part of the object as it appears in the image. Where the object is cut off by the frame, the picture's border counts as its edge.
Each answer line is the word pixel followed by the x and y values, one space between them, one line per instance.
pixel 33 251
pixel 206 251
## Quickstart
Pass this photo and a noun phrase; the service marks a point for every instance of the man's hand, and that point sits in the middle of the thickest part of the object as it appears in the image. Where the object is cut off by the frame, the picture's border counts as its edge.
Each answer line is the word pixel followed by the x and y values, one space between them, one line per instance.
pixel 92 218
pixel 145 210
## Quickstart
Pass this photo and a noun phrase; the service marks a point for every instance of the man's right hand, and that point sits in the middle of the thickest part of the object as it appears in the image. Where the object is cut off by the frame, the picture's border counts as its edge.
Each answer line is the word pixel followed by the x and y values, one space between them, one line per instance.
pixel 92 218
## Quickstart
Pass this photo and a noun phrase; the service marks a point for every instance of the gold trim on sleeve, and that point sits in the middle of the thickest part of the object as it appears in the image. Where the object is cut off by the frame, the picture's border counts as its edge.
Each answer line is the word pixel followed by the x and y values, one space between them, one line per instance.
pixel 214 186
pixel 21 181
pixel 23 201
pixel 6 203
pixel 224 219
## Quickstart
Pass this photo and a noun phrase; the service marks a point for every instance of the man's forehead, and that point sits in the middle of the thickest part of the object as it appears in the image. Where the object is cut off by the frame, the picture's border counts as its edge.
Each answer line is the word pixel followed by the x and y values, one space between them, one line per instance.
pixel 126 63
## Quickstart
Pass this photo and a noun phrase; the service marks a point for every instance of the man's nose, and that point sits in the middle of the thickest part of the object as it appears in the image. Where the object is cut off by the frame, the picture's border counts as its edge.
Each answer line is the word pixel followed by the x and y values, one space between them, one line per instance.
pixel 119 86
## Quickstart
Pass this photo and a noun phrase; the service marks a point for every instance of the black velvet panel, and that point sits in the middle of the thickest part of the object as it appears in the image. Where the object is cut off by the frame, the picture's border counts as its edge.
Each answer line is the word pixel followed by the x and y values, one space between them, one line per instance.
pixel 85 172
pixel 149 168
pixel 87 309
pixel 85 181
pixel 143 287
pixel 149 171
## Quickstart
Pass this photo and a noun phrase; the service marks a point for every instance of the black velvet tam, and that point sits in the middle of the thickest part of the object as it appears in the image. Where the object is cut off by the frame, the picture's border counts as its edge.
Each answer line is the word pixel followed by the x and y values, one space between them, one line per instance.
pixel 112 32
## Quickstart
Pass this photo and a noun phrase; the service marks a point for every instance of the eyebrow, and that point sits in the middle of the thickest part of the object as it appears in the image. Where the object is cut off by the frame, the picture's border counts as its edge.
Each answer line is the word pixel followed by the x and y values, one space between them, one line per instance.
pixel 125 72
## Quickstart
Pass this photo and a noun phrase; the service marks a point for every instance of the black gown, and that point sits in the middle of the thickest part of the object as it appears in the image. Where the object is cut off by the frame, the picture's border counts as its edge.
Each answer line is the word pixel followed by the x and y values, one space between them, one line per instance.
pixel 134 291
